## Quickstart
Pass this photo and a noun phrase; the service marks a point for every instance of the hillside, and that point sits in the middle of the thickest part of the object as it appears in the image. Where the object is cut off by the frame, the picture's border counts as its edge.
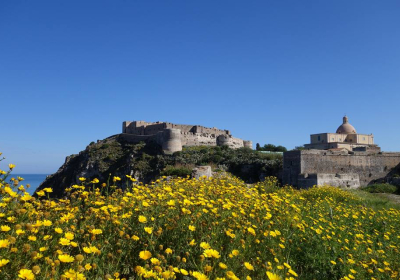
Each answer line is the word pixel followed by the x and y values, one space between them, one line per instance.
pixel 217 228
pixel 146 162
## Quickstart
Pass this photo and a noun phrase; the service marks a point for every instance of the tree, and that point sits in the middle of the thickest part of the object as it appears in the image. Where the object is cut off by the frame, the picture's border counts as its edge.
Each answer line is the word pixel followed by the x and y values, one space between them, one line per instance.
pixel 271 148
pixel 280 149
pixel 258 146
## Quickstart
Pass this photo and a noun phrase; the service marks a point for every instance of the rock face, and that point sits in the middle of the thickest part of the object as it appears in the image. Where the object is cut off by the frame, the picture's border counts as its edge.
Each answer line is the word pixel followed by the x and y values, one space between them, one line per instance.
pixel 109 157
pixel 145 161
pixel 201 171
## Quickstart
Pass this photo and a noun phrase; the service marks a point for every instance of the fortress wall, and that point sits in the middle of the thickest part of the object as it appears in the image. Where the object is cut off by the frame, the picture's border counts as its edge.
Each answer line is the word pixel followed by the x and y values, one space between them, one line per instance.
pixel 135 127
pixel 188 139
pixel 165 134
pixel 197 139
pixel 291 168
pixel 236 143
pixel 147 128
pixel 202 129
pixel 206 139
pixel 125 126
pixel 369 167
pixel 131 138
pixel 154 128
pixel 183 127
pixel 142 123
pixel 336 180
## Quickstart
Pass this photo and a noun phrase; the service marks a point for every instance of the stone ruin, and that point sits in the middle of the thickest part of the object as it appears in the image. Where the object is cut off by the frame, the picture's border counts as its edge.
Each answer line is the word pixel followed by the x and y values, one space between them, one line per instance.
pixel 172 137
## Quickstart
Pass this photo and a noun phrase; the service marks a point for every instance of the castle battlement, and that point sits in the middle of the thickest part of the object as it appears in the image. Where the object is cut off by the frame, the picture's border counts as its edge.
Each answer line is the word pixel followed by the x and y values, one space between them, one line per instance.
pixel 172 137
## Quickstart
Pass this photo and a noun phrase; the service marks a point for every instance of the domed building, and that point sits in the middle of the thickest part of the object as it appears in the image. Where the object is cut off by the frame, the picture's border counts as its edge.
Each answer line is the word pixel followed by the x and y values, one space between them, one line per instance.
pixel 346 128
pixel 345 137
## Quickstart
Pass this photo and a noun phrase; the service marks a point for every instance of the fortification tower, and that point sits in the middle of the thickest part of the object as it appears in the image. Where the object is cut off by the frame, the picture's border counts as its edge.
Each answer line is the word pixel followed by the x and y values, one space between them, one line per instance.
pixel 223 140
pixel 248 144
pixel 171 140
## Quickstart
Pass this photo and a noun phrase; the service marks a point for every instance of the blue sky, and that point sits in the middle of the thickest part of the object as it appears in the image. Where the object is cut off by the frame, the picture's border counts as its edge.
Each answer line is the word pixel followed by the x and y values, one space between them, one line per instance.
pixel 269 71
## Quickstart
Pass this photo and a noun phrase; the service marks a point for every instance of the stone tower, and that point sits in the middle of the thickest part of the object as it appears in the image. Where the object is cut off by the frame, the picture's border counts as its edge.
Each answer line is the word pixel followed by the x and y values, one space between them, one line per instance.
pixel 171 140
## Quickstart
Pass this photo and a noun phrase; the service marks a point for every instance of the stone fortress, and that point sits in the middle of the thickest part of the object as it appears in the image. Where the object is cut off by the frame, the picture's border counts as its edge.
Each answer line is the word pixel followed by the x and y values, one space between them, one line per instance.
pixel 344 158
pixel 172 137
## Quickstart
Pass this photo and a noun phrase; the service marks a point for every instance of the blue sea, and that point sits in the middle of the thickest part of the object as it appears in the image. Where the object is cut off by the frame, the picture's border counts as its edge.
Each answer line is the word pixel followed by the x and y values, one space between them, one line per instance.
pixel 33 179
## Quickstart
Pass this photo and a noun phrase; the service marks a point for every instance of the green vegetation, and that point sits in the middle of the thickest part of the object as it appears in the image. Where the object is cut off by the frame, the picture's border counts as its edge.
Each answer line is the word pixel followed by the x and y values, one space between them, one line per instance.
pixel 244 163
pixel 299 148
pixel 381 188
pixel 270 148
pixel 216 228
pixel 176 171
pixel 146 162
pixel 375 201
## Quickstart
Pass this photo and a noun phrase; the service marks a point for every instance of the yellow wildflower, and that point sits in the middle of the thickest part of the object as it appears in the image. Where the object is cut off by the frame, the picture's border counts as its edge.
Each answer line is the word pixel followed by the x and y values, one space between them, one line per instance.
pixel 145 255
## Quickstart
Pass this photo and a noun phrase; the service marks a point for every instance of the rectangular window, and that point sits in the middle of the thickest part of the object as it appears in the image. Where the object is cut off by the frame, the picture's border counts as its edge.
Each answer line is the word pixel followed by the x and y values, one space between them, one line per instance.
pixel 333 139
pixel 319 138
pixel 364 138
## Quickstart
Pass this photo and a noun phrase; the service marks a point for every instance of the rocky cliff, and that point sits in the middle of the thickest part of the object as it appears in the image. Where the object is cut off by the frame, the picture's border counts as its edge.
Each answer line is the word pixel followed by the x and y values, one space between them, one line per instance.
pixel 114 156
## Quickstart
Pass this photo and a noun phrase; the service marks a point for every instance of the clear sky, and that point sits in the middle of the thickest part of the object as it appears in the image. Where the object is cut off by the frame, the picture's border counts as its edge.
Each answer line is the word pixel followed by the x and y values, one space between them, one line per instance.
pixel 269 71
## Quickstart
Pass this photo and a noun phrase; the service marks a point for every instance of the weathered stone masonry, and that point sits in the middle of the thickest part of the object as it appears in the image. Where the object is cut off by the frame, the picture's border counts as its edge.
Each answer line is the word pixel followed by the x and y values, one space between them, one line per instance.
pixel 172 137
pixel 311 167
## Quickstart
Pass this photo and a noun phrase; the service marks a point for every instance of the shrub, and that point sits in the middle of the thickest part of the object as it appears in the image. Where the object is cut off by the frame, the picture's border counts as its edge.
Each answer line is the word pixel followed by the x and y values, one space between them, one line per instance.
pixel 380 188
pixel 105 146
pixel 179 171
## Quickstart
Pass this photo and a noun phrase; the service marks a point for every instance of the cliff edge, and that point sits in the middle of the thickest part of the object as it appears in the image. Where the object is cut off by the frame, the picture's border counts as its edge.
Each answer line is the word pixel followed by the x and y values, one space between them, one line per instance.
pixel 114 156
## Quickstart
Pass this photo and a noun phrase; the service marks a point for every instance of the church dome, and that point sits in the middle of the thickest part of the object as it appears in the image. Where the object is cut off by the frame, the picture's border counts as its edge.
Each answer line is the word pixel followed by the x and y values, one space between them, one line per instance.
pixel 346 128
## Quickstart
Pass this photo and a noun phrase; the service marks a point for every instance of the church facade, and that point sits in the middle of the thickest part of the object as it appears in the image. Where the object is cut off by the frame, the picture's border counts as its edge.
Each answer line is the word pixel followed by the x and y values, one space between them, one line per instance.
pixel 345 137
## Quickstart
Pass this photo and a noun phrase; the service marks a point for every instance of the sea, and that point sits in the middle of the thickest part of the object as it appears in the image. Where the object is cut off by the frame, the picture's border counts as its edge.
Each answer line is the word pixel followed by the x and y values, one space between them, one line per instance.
pixel 33 179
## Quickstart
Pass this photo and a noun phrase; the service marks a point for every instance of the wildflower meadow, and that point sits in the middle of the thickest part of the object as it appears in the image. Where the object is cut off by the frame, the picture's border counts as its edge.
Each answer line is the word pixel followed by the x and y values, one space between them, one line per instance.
pixel 215 228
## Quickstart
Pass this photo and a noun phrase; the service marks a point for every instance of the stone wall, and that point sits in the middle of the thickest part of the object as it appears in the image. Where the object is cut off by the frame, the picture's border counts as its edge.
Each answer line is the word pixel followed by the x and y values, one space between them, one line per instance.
pixel 291 168
pixel 135 138
pixel 248 144
pixel 149 128
pixel 172 141
pixel 166 135
pixel 236 143
pixel 153 129
pixel 336 180
pixel 183 127
pixel 198 139
pixel 369 166
pixel 216 131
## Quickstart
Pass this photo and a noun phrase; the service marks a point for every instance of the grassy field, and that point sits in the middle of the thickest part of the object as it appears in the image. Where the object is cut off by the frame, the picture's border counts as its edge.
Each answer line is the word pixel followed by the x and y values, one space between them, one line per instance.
pixel 218 228
pixel 377 201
